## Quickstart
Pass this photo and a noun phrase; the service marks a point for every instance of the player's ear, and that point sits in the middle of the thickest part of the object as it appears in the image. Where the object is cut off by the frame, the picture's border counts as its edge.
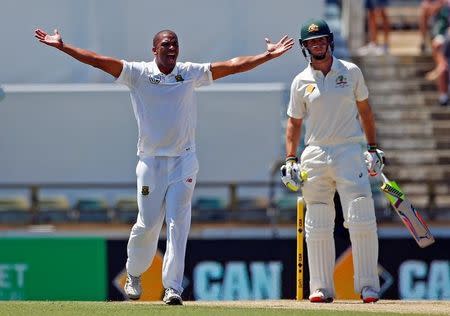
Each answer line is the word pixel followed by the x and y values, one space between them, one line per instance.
pixel 154 50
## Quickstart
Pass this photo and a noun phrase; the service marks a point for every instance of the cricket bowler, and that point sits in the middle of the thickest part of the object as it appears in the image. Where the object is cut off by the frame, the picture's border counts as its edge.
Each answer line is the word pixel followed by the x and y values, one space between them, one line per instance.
pixel 164 104
pixel 331 98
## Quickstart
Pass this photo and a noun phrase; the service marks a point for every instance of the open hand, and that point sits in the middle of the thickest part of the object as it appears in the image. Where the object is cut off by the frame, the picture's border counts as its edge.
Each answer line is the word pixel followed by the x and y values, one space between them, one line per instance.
pixel 54 40
pixel 281 47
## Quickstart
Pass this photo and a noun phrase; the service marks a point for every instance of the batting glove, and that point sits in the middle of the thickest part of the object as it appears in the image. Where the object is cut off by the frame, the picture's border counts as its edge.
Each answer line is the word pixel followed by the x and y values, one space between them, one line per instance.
pixel 374 159
pixel 290 174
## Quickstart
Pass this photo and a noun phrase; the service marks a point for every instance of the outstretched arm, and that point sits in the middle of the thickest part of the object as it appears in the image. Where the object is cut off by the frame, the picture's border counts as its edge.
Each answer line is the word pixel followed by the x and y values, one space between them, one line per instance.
pixel 244 63
pixel 107 64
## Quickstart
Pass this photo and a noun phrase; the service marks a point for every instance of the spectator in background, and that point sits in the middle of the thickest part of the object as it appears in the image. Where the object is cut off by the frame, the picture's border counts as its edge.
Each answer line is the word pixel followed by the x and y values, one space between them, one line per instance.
pixel 375 9
pixel 428 11
pixel 443 79
pixel 425 15
pixel 438 11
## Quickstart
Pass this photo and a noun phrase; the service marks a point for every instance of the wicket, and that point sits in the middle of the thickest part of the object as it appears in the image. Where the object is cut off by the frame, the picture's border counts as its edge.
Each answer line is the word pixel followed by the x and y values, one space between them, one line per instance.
pixel 300 234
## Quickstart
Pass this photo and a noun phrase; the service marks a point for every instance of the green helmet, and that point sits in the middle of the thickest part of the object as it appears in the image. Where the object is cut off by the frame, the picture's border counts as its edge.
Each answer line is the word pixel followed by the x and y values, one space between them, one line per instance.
pixel 314 28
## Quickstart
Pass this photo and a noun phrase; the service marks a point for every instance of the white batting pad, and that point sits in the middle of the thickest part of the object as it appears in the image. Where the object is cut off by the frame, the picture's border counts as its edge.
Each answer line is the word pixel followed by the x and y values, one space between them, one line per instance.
pixel 319 225
pixel 363 234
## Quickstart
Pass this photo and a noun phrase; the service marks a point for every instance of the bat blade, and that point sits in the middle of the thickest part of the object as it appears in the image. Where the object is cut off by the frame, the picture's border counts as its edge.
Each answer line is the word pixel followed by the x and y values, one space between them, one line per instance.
pixel 408 214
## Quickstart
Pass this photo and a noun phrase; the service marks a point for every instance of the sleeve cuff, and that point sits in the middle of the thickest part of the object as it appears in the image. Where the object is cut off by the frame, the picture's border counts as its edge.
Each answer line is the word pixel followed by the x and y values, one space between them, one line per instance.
pixel 121 79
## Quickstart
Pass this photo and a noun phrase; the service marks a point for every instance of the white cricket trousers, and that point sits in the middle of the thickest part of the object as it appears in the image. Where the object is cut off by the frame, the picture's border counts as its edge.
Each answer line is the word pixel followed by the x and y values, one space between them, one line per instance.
pixel 164 191
pixel 342 168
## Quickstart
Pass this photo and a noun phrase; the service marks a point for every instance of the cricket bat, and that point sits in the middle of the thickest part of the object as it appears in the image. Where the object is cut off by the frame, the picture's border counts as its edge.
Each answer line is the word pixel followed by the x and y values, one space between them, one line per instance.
pixel 408 214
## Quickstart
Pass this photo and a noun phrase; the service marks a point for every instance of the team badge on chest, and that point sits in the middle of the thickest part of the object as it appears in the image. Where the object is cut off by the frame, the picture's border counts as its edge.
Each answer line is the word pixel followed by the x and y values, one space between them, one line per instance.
pixel 145 190
pixel 341 81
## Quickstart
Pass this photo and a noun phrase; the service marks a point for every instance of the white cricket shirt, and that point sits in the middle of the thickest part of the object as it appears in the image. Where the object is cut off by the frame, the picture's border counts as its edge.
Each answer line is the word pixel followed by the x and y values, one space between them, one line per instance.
pixel 327 104
pixel 165 106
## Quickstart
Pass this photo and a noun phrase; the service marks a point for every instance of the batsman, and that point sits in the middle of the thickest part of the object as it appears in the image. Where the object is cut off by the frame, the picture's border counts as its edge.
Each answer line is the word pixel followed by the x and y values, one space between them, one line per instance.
pixel 331 98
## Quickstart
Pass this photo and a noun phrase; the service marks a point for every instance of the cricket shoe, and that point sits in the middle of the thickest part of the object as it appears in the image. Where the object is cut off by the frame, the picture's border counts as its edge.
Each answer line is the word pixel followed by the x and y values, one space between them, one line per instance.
pixel 133 288
pixel 321 296
pixel 371 49
pixel 172 297
pixel 369 295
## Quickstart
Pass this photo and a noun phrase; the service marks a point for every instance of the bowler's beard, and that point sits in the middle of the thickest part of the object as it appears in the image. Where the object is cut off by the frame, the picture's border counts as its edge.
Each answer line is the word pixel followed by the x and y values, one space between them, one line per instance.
pixel 319 57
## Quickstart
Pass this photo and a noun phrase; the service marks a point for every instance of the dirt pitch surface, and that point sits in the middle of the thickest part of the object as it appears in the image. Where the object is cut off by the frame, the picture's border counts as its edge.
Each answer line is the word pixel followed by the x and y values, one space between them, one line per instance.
pixel 403 307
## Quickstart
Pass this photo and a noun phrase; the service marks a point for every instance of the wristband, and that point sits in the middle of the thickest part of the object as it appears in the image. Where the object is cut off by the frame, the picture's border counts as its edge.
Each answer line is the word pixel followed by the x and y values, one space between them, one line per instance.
pixel 372 147
pixel 291 158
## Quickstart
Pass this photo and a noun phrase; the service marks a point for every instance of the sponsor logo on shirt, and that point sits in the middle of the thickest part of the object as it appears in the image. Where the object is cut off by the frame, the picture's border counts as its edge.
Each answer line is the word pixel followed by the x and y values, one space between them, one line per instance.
pixel 189 180
pixel 154 79
pixel 310 88
pixel 179 78
pixel 341 81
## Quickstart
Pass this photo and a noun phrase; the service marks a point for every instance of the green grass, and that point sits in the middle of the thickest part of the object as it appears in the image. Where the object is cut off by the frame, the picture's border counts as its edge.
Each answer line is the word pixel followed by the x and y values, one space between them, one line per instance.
pixel 36 308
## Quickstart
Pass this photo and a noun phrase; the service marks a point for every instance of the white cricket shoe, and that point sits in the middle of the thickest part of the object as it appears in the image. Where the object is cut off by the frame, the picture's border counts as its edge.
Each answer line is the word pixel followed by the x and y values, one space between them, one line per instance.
pixel 172 297
pixel 133 288
pixel 371 49
pixel 369 295
pixel 321 296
